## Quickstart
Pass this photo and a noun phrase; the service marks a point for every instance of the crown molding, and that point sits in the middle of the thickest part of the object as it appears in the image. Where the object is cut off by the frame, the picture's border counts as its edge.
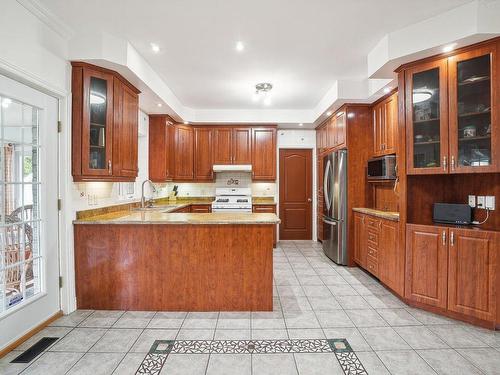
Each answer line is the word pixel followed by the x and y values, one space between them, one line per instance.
pixel 48 18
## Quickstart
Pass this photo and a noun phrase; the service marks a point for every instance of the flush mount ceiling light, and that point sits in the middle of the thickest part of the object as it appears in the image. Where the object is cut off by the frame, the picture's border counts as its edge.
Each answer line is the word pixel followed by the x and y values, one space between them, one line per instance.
pixel 155 47
pixel 449 47
pixel 240 46
pixel 420 96
pixel 262 90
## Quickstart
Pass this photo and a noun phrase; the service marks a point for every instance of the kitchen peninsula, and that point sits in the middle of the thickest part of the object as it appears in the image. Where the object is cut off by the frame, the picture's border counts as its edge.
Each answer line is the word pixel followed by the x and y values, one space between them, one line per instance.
pixel 162 261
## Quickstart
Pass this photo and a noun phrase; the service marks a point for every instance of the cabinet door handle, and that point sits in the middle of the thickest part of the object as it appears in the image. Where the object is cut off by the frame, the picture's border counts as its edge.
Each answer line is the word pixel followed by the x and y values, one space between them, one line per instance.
pixel 452 162
pixel 444 237
pixel 445 163
pixel 109 166
pixel 452 238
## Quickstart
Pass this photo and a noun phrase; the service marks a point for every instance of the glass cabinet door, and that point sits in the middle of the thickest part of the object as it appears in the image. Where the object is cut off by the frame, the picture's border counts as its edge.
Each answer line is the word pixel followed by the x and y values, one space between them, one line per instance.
pixel 427 121
pixel 473 108
pixel 97 123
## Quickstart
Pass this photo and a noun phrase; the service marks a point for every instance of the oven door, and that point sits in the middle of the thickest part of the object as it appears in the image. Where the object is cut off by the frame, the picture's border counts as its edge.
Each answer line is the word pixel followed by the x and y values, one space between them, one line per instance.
pixel 232 209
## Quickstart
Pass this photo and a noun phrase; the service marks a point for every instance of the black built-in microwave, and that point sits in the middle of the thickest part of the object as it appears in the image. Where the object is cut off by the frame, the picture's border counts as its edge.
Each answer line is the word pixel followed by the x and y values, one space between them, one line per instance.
pixel 382 168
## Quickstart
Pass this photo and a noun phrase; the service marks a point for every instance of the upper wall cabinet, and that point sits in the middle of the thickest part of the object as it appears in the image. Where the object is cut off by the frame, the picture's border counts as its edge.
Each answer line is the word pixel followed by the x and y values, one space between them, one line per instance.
pixel 161 147
pixel 264 154
pixel 232 145
pixel 184 153
pixel 385 125
pixel 203 154
pixel 332 133
pixel 104 125
pixel 474 111
pixel 452 113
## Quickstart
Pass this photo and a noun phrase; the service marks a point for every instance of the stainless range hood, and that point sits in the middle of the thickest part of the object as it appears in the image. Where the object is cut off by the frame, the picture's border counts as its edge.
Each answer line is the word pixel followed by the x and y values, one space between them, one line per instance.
pixel 232 167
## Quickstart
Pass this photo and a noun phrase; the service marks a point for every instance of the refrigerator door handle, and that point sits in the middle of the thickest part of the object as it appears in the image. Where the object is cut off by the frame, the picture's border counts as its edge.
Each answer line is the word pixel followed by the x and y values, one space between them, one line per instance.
pixel 325 186
pixel 329 222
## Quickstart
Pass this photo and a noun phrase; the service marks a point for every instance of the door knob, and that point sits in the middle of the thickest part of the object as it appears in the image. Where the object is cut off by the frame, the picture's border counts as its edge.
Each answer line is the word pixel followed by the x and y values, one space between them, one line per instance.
pixel 309 199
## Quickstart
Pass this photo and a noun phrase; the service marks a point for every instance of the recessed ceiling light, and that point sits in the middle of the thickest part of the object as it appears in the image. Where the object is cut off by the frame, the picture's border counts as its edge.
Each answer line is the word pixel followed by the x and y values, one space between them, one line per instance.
pixel 301 124
pixel 240 46
pixel 449 47
pixel 159 104
pixel 155 47
pixel 387 90
pixel 329 113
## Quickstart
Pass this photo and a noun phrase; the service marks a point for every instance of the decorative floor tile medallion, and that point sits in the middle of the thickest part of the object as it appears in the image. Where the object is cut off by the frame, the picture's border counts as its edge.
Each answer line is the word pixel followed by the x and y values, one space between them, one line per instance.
pixel 155 359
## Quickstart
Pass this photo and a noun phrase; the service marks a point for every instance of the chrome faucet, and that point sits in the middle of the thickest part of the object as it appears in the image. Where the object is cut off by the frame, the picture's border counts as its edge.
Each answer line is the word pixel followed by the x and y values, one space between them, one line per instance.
pixel 143 201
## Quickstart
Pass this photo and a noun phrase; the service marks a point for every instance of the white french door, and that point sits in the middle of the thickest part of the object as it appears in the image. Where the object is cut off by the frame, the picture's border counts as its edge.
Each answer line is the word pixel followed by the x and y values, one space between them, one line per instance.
pixel 29 260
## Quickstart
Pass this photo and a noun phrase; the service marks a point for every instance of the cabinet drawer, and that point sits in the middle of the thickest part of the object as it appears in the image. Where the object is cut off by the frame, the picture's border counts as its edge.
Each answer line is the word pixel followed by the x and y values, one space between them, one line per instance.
pixel 269 209
pixel 372 265
pixel 373 223
pixel 372 238
pixel 201 208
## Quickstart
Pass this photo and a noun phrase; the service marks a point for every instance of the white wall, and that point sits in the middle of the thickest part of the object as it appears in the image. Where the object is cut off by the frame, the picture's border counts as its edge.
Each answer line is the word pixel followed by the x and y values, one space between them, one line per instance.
pixel 300 139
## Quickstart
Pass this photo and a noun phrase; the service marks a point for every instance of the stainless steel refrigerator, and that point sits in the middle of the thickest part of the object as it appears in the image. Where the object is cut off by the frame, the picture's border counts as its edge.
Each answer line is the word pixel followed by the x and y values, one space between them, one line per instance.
pixel 335 206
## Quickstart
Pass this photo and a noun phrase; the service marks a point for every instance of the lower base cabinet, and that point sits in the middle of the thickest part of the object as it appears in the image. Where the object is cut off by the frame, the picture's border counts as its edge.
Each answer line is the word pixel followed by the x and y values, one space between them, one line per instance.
pixel 266 209
pixel 453 269
pixel 376 249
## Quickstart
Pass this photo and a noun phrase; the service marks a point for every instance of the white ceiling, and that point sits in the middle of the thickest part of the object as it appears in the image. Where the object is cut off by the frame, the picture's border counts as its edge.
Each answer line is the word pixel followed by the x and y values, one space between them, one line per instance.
pixel 301 46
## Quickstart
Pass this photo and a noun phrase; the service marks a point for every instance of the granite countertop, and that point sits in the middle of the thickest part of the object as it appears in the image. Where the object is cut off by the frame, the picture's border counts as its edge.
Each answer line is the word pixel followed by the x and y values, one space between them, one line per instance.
pixel 389 215
pixel 263 200
pixel 157 217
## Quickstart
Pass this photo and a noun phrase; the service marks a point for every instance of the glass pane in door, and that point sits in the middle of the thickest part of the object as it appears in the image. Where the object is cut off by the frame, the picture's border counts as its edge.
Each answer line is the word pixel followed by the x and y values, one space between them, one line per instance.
pixel 20 221
pixel 426 119
pixel 474 112
pixel 98 110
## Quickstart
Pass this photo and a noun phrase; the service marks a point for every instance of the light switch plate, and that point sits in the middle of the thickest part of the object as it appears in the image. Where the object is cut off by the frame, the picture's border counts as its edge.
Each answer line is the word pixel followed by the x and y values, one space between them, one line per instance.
pixel 490 202
pixel 472 201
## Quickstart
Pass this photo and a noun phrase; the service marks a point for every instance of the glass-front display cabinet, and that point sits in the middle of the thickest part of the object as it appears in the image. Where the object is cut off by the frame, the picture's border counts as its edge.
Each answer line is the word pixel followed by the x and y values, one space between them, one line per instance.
pixel 473 103
pixel 427 118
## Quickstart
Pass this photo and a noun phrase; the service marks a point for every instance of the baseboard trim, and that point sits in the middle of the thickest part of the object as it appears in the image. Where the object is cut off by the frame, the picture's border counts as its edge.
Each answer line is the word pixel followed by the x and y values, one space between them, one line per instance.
pixel 29 334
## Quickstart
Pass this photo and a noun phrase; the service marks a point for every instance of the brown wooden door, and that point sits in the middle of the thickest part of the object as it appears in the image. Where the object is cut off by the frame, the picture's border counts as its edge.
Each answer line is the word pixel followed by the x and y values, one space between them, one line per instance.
pixel 427 118
pixel 320 199
pixel 242 146
pixel 426 264
pixel 125 132
pixel 184 152
pixel 97 125
pixel 474 111
pixel 295 194
pixel 359 240
pixel 264 154
pixel 471 272
pixel 203 154
pixel 340 124
pixel 223 145
pixel 390 126
pixel 390 260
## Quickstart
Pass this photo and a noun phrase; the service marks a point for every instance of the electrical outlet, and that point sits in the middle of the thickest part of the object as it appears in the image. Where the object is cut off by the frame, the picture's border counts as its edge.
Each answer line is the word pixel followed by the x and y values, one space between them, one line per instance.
pixel 472 201
pixel 490 202
pixel 481 202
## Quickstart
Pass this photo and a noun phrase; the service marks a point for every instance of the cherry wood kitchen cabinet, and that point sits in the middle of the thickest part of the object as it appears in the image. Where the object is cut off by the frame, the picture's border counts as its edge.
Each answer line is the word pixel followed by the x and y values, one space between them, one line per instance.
pixel 391 260
pixel 472 265
pixel 385 125
pixel 201 208
pixel 264 154
pixel 203 154
pixel 161 148
pixel 184 153
pixel 266 209
pixel 427 265
pixel 185 209
pixel 233 145
pixel 359 240
pixel 474 111
pixel 104 125
pixel 453 112
pixel 454 269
